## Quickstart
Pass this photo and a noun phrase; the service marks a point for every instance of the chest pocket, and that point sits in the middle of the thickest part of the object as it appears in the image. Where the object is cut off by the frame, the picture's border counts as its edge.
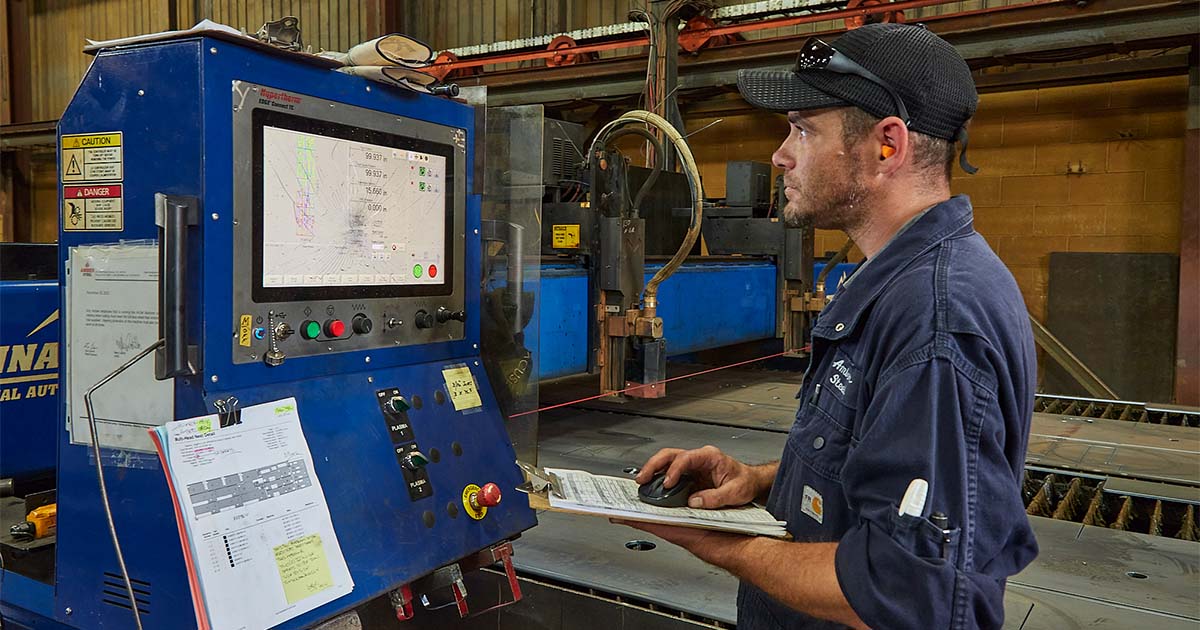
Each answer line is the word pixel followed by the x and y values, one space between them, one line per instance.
pixel 824 428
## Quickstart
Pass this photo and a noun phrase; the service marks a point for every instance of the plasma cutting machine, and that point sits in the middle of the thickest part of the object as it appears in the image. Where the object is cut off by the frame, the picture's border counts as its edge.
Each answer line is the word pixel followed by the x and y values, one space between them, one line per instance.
pixel 318 238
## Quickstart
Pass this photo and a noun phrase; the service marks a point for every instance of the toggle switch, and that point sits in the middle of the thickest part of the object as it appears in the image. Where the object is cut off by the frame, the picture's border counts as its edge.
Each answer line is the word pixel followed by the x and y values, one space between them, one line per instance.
pixel 415 460
pixel 396 405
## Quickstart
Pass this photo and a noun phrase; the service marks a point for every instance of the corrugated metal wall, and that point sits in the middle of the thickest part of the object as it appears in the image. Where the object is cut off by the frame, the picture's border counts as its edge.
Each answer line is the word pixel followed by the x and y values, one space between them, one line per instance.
pixel 58 29
pixel 452 23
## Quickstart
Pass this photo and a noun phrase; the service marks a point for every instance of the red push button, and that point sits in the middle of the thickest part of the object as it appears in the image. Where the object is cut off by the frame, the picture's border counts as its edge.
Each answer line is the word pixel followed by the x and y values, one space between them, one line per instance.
pixel 335 328
pixel 432 271
pixel 488 496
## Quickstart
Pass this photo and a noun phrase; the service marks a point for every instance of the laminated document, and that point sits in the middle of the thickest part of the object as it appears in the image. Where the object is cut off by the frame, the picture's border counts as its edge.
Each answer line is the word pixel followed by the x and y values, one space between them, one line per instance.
pixel 112 314
pixel 253 521
pixel 581 492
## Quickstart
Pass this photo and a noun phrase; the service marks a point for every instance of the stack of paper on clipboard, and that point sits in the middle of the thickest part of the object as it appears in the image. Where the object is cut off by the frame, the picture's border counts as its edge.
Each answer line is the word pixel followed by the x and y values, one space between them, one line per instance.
pixel 581 492
pixel 257 537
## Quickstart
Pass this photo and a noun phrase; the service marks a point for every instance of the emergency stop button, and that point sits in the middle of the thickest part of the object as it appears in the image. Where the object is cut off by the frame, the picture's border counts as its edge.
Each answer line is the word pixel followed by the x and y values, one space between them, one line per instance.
pixel 488 495
pixel 335 328
pixel 476 500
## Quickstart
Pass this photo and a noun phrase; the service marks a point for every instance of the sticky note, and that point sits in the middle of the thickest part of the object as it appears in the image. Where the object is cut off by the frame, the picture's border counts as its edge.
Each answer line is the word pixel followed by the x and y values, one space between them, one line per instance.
pixel 204 426
pixel 244 330
pixel 460 384
pixel 303 568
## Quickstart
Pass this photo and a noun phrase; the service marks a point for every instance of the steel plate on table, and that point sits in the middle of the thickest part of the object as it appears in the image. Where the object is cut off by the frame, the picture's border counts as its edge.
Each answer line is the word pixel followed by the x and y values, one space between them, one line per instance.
pixel 1112 447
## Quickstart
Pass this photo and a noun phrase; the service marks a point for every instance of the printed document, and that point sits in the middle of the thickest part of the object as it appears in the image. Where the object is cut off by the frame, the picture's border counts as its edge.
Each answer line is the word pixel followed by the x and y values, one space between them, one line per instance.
pixel 615 497
pixel 256 530
pixel 112 314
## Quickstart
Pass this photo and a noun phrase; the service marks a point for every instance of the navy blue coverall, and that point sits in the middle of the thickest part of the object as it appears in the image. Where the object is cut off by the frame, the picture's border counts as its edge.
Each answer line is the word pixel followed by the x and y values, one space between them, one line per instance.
pixel 922 367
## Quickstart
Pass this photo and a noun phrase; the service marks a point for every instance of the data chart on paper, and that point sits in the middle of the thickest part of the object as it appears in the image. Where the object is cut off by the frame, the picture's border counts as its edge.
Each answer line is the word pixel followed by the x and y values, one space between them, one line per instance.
pixel 339 212
pixel 237 490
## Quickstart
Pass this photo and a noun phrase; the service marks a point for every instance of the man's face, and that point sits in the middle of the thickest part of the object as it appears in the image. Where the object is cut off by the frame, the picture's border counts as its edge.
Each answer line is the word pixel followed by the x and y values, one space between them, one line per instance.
pixel 821 174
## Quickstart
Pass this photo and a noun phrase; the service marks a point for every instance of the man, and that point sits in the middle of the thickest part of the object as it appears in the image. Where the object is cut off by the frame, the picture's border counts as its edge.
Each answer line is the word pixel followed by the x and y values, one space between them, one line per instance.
pixel 922 367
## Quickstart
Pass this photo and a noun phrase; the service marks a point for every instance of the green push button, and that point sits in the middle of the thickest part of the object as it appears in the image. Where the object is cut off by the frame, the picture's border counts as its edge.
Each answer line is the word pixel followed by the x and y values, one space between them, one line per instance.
pixel 416 271
pixel 310 330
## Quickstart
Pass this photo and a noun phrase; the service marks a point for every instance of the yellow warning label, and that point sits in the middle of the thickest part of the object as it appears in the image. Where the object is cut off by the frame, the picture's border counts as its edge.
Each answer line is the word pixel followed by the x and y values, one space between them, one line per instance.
pixel 564 236
pixel 471 510
pixel 460 384
pixel 89 140
pixel 92 157
pixel 244 330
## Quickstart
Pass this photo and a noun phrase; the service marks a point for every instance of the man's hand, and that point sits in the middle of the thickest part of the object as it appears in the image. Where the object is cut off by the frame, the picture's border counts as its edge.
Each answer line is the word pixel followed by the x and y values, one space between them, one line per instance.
pixel 723 480
pixel 799 575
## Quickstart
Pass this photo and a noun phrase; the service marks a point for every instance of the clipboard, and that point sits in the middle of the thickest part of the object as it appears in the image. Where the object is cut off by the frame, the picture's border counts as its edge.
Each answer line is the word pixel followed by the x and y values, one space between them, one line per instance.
pixel 543 486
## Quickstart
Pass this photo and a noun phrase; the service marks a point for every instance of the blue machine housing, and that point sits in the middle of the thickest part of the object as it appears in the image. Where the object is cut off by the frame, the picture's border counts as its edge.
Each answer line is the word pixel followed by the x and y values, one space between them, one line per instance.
pixel 28 376
pixel 172 102
pixel 703 306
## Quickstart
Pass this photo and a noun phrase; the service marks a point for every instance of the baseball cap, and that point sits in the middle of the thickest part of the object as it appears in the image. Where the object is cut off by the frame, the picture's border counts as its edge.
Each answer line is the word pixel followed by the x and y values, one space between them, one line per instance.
pixel 922 71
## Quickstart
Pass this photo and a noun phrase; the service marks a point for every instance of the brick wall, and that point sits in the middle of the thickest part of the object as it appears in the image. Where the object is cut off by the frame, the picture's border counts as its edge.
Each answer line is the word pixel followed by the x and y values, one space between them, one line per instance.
pixel 1127 136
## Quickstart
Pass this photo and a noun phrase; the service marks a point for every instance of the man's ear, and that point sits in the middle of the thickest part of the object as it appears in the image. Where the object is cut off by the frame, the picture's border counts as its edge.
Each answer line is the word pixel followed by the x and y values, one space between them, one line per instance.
pixel 891 137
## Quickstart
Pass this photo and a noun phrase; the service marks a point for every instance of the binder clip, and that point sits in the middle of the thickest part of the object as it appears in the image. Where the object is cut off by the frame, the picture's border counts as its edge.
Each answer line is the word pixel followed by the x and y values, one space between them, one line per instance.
pixel 227 411
pixel 538 481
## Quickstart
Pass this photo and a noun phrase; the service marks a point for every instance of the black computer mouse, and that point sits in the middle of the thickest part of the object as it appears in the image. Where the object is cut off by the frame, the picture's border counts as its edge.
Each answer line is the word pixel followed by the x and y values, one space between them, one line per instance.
pixel 654 493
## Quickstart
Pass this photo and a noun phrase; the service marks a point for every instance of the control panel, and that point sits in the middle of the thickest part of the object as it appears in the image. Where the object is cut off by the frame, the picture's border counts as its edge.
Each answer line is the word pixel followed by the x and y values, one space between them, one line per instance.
pixel 349 230
pixel 306 220
pixel 414 461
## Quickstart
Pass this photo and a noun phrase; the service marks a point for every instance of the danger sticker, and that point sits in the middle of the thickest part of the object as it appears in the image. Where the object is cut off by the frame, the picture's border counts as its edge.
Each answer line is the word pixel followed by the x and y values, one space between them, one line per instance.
pixel 92 157
pixel 565 236
pixel 98 208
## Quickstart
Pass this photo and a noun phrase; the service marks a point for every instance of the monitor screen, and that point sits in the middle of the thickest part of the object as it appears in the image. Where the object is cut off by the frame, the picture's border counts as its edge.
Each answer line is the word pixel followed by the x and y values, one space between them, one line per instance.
pixel 346 212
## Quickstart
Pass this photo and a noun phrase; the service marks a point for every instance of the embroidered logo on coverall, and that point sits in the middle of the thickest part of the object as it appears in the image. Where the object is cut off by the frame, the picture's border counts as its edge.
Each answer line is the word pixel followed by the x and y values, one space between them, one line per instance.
pixel 841 377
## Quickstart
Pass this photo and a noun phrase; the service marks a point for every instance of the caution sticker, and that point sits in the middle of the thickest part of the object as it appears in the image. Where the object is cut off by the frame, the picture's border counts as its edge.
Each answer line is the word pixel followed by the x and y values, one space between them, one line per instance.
pixel 460 384
pixel 92 157
pixel 566 236
pixel 93 208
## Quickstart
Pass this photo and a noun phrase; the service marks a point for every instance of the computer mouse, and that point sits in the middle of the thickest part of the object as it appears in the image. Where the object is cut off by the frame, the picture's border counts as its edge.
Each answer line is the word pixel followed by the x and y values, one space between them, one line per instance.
pixel 654 493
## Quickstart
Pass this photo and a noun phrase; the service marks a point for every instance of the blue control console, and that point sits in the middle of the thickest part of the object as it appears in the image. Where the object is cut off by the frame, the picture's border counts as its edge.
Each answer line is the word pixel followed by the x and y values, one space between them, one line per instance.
pixel 324 244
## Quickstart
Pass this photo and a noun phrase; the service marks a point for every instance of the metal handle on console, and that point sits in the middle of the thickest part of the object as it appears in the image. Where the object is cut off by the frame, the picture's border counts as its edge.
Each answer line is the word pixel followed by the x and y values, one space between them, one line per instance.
pixel 173 215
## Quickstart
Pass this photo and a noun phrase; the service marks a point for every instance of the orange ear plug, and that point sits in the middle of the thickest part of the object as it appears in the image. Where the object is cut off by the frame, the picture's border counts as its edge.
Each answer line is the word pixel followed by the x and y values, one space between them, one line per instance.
pixel 887 151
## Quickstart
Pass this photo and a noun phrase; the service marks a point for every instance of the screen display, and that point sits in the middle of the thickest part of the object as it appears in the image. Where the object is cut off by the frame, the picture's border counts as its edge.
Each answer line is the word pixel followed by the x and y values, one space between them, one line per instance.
pixel 338 212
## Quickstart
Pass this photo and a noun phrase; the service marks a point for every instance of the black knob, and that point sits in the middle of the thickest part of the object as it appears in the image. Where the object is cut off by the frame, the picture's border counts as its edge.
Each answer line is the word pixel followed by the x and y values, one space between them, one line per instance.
pixel 396 405
pixel 424 319
pixel 415 461
pixel 362 324
pixel 444 316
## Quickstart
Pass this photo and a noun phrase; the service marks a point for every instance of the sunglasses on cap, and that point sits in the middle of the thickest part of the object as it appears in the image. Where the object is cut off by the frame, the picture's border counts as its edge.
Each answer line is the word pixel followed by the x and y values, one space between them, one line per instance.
pixel 818 55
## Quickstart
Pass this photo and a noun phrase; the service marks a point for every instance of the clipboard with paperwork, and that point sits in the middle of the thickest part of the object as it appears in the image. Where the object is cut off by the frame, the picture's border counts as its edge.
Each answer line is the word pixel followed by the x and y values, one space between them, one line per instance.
pixel 256 532
pixel 581 492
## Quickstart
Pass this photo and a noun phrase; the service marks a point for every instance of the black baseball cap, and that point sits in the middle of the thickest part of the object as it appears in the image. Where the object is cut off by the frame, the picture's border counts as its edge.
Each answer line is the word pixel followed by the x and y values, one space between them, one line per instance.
pixel 924 71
